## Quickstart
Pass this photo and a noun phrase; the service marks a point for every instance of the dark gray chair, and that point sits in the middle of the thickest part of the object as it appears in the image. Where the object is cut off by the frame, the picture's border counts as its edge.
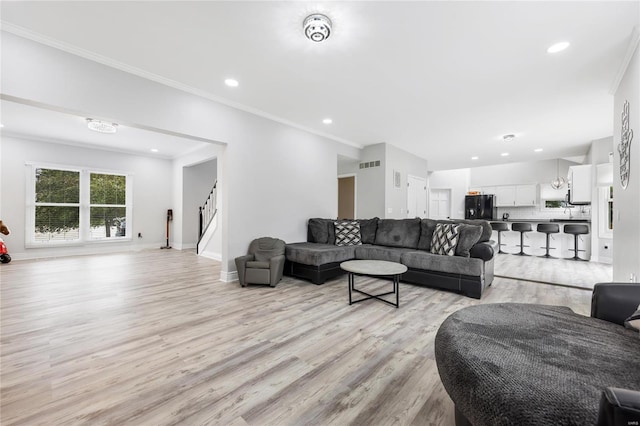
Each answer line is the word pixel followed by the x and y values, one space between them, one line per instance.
pixel 576 231
pixel 500 227
pixel 263 264
pixel 521 228
pixel 548 228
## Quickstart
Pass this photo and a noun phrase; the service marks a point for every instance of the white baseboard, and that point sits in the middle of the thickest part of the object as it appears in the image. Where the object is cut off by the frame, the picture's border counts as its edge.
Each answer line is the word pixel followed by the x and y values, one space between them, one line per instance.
pixel 228 277
pixel 83 250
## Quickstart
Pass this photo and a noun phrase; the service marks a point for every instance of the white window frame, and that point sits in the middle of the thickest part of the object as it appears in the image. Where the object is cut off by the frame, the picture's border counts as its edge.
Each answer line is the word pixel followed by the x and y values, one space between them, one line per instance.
pixel 85 206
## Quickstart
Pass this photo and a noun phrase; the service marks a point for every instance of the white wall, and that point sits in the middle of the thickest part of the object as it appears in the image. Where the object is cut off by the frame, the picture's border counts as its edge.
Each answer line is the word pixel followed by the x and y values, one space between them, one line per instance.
pixel 458 181
pixel 197 183
pixel 601 248
pixel 407 164
pixel 626 225
pixel 541 172
pixel 272 177
pixel 151 197
pixel 370 183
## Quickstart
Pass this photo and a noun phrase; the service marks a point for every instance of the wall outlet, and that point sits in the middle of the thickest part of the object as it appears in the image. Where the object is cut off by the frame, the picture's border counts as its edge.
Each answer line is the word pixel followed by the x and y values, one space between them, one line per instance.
pixel 632 277
pixel 139 234
pixel 389 209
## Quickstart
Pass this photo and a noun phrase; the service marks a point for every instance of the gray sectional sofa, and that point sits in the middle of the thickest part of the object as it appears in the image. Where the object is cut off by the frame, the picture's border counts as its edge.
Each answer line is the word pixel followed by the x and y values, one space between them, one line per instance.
pixel 406 241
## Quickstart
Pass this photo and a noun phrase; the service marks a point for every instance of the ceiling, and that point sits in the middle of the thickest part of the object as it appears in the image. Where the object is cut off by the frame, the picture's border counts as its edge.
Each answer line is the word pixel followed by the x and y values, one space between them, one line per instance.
pixel 442 80
pixel 49 125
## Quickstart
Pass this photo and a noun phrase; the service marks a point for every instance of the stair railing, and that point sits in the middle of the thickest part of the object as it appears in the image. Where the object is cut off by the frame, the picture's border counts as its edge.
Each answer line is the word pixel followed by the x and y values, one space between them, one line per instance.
pixel 206 213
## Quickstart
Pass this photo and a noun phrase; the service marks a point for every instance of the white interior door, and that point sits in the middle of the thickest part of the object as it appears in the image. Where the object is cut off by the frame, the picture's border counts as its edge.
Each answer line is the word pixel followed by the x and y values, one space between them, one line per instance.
pixel 416 197
pixel 439 203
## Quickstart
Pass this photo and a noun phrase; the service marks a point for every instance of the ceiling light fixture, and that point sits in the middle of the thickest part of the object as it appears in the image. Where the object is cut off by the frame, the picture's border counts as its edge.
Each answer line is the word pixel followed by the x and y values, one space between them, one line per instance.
pixel 317 27
pixel 505 154
pixel 559 181
pixel 508 138
pixel 101 126
pixel 231 82
pixel 154 149
pixel 474 158
pixel 327 121
pixel 558 47
pixel 537 150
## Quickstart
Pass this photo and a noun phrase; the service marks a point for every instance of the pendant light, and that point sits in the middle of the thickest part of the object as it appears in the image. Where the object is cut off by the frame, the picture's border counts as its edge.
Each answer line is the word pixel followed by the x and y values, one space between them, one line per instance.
pixel 559 181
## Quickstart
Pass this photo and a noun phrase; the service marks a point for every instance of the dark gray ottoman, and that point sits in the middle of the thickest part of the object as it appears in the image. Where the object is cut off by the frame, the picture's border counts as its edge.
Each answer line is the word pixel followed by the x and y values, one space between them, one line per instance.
pixel 519 364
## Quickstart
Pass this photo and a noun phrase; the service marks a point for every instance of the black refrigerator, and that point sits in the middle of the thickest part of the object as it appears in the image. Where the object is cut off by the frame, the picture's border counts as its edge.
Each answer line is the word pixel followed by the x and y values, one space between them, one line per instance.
pixel 480 207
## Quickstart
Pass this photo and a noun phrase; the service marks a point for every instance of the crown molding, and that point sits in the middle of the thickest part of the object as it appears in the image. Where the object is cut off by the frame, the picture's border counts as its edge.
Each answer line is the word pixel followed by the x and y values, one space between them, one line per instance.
pixel 631 48
pixel 92 56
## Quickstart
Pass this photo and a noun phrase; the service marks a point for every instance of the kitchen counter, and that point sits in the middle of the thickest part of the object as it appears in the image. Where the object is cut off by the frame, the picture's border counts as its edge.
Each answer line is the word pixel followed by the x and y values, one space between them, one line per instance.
pixel 561 244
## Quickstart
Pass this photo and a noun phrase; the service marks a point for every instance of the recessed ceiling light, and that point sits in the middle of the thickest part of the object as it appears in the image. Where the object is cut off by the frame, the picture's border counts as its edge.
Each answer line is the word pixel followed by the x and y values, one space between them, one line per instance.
pixel 505 154
pixel 154 150
pixel 508 138
pixel 101 126
pixel 327 121
pixel 231 82
pixel 474 158
pixel 1 125
pixel 537 150
pixel 558 47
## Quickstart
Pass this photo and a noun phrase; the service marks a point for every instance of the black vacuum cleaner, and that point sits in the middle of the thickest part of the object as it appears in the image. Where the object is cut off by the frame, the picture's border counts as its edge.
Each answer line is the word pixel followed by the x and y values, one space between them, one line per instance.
pixel 169 219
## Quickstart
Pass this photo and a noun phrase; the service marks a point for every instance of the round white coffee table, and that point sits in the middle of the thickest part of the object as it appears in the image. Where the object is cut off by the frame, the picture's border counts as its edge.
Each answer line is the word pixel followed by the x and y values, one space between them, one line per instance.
pixel 374 268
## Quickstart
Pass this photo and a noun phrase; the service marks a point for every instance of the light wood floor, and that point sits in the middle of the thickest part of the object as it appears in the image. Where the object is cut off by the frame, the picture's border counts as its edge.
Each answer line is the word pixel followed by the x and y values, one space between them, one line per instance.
pixel 154 338
pixel 556 271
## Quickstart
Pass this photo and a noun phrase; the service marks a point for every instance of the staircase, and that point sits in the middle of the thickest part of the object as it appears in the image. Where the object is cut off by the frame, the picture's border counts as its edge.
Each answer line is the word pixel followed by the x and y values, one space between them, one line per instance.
pixel 206 215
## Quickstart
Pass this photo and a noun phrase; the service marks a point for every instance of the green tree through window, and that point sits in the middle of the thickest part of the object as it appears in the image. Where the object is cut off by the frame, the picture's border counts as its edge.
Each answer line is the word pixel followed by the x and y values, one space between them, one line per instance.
pixel 57 212
pixel 108 204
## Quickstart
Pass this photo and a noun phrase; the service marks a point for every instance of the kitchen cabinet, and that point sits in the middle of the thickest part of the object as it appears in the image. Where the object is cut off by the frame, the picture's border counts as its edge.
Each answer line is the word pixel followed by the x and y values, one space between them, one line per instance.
pixel 516 195
pixel 506 195
pixel 526 195
pixel 580 184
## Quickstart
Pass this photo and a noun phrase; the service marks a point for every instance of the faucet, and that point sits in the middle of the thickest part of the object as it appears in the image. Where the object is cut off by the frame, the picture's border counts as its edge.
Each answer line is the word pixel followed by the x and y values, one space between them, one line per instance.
pixel 570 212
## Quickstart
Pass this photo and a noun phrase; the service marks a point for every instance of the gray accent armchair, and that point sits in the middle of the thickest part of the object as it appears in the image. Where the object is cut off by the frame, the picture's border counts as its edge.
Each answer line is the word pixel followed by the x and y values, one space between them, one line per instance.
pixel 263 264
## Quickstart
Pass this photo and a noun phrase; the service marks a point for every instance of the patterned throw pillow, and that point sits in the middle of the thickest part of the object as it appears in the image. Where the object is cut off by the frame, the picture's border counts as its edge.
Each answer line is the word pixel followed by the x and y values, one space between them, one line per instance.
pixel 348 233
pixel 445 239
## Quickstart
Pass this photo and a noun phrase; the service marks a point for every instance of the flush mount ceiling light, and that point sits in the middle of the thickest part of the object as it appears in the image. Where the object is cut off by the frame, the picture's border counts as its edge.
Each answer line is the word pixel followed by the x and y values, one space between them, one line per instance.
pixel 101 126
pixel 508 138
pixel 559 181
pixel 327 121
pixel 505 154
pixel 231 82
pixel 558 47
pixel 474 158
pixel 317 27
pixel 537 150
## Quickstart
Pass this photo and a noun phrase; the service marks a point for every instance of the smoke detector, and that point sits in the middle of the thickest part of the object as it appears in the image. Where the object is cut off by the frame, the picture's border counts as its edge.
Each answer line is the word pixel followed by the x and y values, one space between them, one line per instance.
pixel 317 27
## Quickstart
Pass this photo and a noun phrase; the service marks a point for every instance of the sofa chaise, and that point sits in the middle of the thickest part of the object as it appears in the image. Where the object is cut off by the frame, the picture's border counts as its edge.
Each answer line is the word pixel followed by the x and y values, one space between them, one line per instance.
pixel 407 241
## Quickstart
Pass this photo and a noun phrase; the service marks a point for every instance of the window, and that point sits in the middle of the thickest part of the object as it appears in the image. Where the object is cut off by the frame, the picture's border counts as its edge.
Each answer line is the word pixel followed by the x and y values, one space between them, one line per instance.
pixel 57 205
pixel 77 206
pixel 108 209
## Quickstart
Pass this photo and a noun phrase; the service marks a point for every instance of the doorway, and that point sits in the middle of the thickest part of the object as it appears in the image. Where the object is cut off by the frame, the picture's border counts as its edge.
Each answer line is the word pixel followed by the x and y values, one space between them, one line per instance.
pixel 439 203
pixel 347 197
pixel 416 197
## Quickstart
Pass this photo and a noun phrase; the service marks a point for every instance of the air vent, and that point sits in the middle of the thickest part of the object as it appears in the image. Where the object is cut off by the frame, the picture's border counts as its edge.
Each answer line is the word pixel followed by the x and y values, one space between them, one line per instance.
pixel 370 164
